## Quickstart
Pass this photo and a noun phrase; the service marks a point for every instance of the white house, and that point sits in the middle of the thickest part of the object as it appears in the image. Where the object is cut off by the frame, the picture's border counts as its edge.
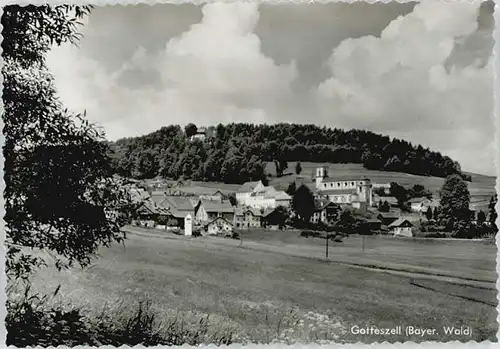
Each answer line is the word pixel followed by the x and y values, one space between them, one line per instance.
pixel 200 134
pixel 385 186
pixel 325 211
pixel 419 204
pixel 247 189
pixel 256 195
pixel 245 218
pixel 401 227
pixel 347 190
pixel 208 210
pixel 218 226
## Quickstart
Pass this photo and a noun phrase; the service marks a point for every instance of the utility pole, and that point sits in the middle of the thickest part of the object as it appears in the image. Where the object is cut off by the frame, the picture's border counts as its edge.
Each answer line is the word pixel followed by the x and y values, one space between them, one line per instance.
pixel 327 238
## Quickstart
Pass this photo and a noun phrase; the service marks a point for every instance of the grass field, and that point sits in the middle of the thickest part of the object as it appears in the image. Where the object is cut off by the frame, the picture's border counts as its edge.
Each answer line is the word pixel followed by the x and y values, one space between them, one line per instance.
pixel 278 286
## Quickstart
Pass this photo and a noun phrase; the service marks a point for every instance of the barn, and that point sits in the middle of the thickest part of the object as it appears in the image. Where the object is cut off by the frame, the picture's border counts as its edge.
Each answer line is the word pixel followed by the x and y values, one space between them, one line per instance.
pixel 401 227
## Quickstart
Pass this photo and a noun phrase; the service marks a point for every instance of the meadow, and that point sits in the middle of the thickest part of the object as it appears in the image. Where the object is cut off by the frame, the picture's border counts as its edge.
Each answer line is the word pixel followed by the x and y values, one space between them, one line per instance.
pixel 280 287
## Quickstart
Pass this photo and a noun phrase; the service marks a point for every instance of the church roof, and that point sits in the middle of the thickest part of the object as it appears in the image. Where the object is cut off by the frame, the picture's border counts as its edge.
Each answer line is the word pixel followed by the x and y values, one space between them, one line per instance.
pixel 334 191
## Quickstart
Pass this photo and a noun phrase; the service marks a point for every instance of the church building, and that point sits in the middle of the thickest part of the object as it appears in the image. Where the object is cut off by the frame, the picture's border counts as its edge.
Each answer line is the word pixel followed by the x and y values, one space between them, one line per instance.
pixel 356 192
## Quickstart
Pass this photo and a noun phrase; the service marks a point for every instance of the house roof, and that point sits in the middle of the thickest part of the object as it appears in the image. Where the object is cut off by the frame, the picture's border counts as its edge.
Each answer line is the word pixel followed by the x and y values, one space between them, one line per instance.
pixel 217 206
pixel 178 206
pixel 139 194
pixel 320 204
pixel 248 186
pixel 418 200
pixel 388 215
pixel 266 191
pixel 281 195
pixel 150 207
pixel 198 190
pixel 194 201
pixel 398 222
pixel 240 211
pixel 180 203
pixel 272 193
pixel 345 179
pixel 268 211
pixel 158 199
pixel 381 185
pixel 217 219
pixel 372 220
pixel 390 199
pixel 333 191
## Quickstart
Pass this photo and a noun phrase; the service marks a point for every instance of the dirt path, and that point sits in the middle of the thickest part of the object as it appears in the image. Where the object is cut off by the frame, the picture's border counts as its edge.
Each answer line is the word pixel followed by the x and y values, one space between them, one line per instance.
pixel 410 271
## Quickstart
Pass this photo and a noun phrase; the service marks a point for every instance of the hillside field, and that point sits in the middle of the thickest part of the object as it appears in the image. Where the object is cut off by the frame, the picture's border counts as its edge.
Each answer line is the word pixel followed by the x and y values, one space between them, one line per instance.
pixel 279 286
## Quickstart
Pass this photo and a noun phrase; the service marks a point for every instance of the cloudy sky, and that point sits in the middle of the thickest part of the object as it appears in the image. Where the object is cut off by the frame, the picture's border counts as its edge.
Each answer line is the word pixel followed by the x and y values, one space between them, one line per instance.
pixel 421 72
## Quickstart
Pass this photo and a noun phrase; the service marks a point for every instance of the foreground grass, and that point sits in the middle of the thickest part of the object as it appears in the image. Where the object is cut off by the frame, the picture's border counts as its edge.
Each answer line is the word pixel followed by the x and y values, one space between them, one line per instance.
pixel 32 320
pixel 261 296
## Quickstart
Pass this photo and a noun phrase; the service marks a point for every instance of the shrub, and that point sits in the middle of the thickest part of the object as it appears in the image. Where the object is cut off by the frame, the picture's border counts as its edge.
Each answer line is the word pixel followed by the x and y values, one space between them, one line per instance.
pixel 31 321
pixel 310 233
pixel 435 235
pixel 197 233
pixel 338 238
pixel 330 229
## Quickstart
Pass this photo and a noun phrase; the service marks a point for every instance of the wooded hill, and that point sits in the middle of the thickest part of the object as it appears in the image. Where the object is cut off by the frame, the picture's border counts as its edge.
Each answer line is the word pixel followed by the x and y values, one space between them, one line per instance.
pixel 236 153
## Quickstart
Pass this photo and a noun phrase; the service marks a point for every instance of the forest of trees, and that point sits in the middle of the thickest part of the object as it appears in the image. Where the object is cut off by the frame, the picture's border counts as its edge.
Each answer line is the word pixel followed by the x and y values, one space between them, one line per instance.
pixel 239 152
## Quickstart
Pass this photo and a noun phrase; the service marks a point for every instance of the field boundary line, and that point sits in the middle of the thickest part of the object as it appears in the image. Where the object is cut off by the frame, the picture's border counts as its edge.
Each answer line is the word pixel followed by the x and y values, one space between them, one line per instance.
pixel 413 283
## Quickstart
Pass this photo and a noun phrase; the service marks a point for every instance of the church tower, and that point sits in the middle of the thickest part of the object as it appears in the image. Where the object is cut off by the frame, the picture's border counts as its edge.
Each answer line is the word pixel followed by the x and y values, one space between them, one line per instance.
pixel 365 192
pixel 321 173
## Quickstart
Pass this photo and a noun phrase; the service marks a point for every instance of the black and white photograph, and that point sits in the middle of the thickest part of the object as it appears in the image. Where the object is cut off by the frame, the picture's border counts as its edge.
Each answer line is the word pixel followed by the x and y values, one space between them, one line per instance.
pixel 249 172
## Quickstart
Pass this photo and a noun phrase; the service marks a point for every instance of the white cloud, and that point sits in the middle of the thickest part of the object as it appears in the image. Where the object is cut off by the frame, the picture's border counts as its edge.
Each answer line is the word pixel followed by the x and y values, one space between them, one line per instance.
pixel 402 83
pixel 215 72
pixel 417 81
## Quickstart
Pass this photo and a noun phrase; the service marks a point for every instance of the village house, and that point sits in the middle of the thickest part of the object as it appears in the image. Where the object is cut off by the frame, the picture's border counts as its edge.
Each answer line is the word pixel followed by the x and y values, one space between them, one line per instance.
pixel 387 218
pixel 386 187
pixel 344 191
pixel 401 227
pixel 217 226
pixel 245 218
pixel 256 195
pixel 325 212
pixel 218 195
pixel 419 204
pixel 273 219
pixel 178 206
pixel 203 133
pixel 199 135
pixel 370 225
pixel 148 214
pixel 139 194
pixel 208 210
pixel 391 200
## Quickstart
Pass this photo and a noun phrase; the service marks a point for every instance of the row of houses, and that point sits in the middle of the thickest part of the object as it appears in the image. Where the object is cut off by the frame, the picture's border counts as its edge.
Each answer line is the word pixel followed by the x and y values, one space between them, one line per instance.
pixel 210 213
pixel 256 205
pixel 417 205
